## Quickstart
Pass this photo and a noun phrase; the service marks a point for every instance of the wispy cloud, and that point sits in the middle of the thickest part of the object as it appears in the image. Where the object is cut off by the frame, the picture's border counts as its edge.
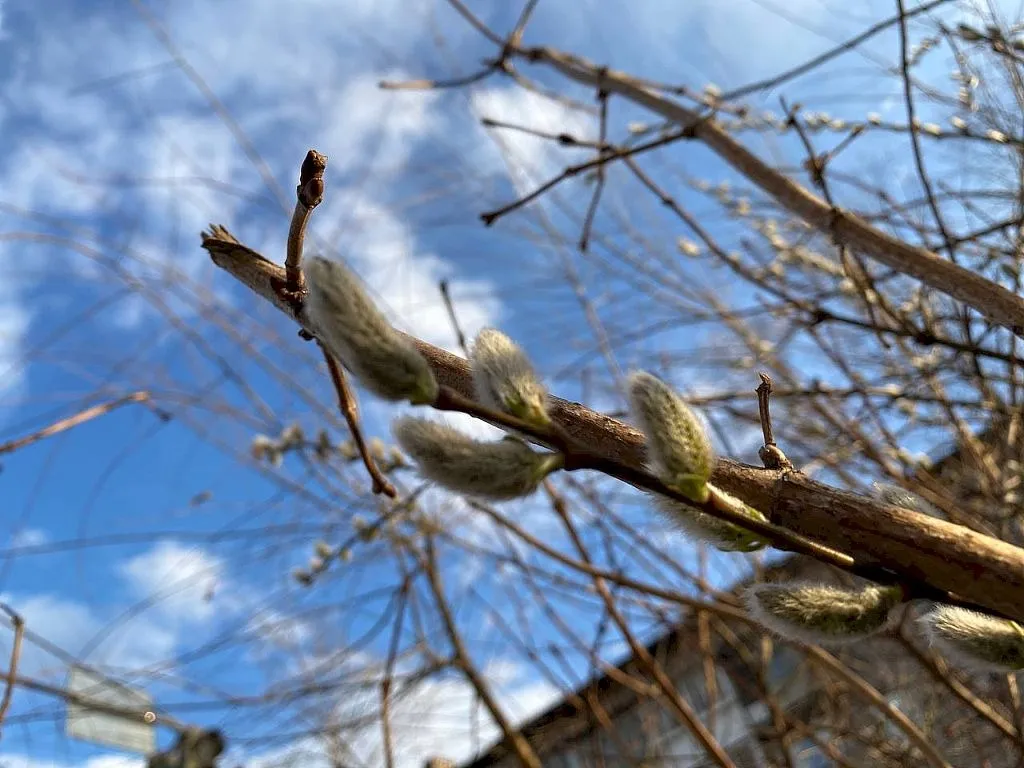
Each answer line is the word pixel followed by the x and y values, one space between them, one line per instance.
pixel 181 581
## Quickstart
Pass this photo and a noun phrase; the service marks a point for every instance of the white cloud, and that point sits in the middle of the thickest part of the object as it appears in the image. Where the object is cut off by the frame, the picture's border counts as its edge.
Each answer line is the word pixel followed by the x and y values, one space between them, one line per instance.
pixel 470 425
pixel 439 718
pixel 364 119
pixel 524 157
pixel 29 537
pixel 100 761
pixel 183 581
pixel 14 324
pixel 405 280
pixel 277 631
pixel 70 625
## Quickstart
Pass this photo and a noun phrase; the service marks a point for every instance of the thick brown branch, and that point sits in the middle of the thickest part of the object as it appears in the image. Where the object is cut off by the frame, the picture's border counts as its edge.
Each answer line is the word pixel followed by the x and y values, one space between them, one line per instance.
pixel 990 299
pixel 924 550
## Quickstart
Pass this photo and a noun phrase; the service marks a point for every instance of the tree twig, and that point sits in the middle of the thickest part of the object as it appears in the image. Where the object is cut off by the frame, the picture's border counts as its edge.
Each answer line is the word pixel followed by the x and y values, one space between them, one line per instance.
pixel 18 623
pixel 459 335
pixel 770 453
pixel 515 740
pixel 73 421
pixel 350 410
pixel 682 708
pixel 308 195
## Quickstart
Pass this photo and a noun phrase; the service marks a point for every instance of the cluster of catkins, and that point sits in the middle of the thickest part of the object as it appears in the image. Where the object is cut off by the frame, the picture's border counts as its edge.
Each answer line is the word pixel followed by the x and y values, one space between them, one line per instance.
pixel 821 614
pixel 345 319
pixel 388 364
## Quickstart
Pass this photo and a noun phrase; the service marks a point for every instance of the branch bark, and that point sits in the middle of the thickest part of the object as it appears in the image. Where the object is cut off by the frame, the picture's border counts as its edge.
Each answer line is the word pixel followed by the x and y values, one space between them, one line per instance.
pixel 976 568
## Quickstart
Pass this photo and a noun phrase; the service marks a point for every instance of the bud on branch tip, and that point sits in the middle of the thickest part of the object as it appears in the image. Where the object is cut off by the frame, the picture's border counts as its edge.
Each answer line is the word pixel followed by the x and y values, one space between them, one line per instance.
pixel 348 323
pixel 504 379
pixel 816 613
pixel 503 469
pixel 678 447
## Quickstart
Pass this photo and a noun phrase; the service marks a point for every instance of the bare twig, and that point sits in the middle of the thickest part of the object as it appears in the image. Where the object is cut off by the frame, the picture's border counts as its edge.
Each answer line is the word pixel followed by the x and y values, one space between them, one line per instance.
pixel 459 335
pixel 18 623
pixel 73 421
pixel 517 744
pixel 817 61
pixel 770 453
pixel 682 708
pixel 350 410
pixel 308 195
pixel 603 158
pixel 595 199
pixel 389 670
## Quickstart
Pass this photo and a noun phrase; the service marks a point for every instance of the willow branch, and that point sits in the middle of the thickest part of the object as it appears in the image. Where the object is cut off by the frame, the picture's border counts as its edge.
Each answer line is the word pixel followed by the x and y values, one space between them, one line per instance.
pixel 924 551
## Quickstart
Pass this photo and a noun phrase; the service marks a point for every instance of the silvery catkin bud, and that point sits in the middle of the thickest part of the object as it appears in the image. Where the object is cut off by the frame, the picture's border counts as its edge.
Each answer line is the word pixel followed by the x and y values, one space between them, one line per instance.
pixel 505 469
pixel 261 447
pixel 504 379
pixel 349 324
pixel 898 497
pixel 323 550
pixel 816 613
pixel 677 444
pixel 720 534
pixel 976 639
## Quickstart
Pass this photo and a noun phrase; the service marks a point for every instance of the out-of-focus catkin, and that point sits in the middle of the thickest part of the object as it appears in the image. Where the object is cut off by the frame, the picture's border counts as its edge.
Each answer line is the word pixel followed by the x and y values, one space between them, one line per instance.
pixel 975 639
pixel 504 469
pixel 504 378
pixel 349 324
pixel 819 614
pixel 720 534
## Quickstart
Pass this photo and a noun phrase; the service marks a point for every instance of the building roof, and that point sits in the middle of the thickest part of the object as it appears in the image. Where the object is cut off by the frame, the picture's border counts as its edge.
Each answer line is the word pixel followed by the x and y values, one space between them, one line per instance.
pixel 563 722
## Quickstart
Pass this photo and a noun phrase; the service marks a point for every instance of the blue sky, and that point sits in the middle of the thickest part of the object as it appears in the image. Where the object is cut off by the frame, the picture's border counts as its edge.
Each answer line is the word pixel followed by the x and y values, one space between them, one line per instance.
pixel 112 161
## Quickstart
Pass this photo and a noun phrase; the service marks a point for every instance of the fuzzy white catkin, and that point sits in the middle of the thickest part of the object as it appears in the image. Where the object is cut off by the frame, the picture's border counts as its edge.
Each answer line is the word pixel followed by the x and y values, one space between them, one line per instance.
pixel 323 550
pixel 261 447
pixel 819 614
pixel 499 470
pixel 679 451
pixel 349 324
pixel 974 639
pixel 504 378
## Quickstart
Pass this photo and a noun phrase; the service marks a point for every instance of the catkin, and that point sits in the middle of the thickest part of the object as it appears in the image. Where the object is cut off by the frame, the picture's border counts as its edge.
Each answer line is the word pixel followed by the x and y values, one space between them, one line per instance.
pixel 504 378
pixel 720 534
pixel 976 639
pixel 817 613
pixel 679 450
pixel 502 469
pixel 349 324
